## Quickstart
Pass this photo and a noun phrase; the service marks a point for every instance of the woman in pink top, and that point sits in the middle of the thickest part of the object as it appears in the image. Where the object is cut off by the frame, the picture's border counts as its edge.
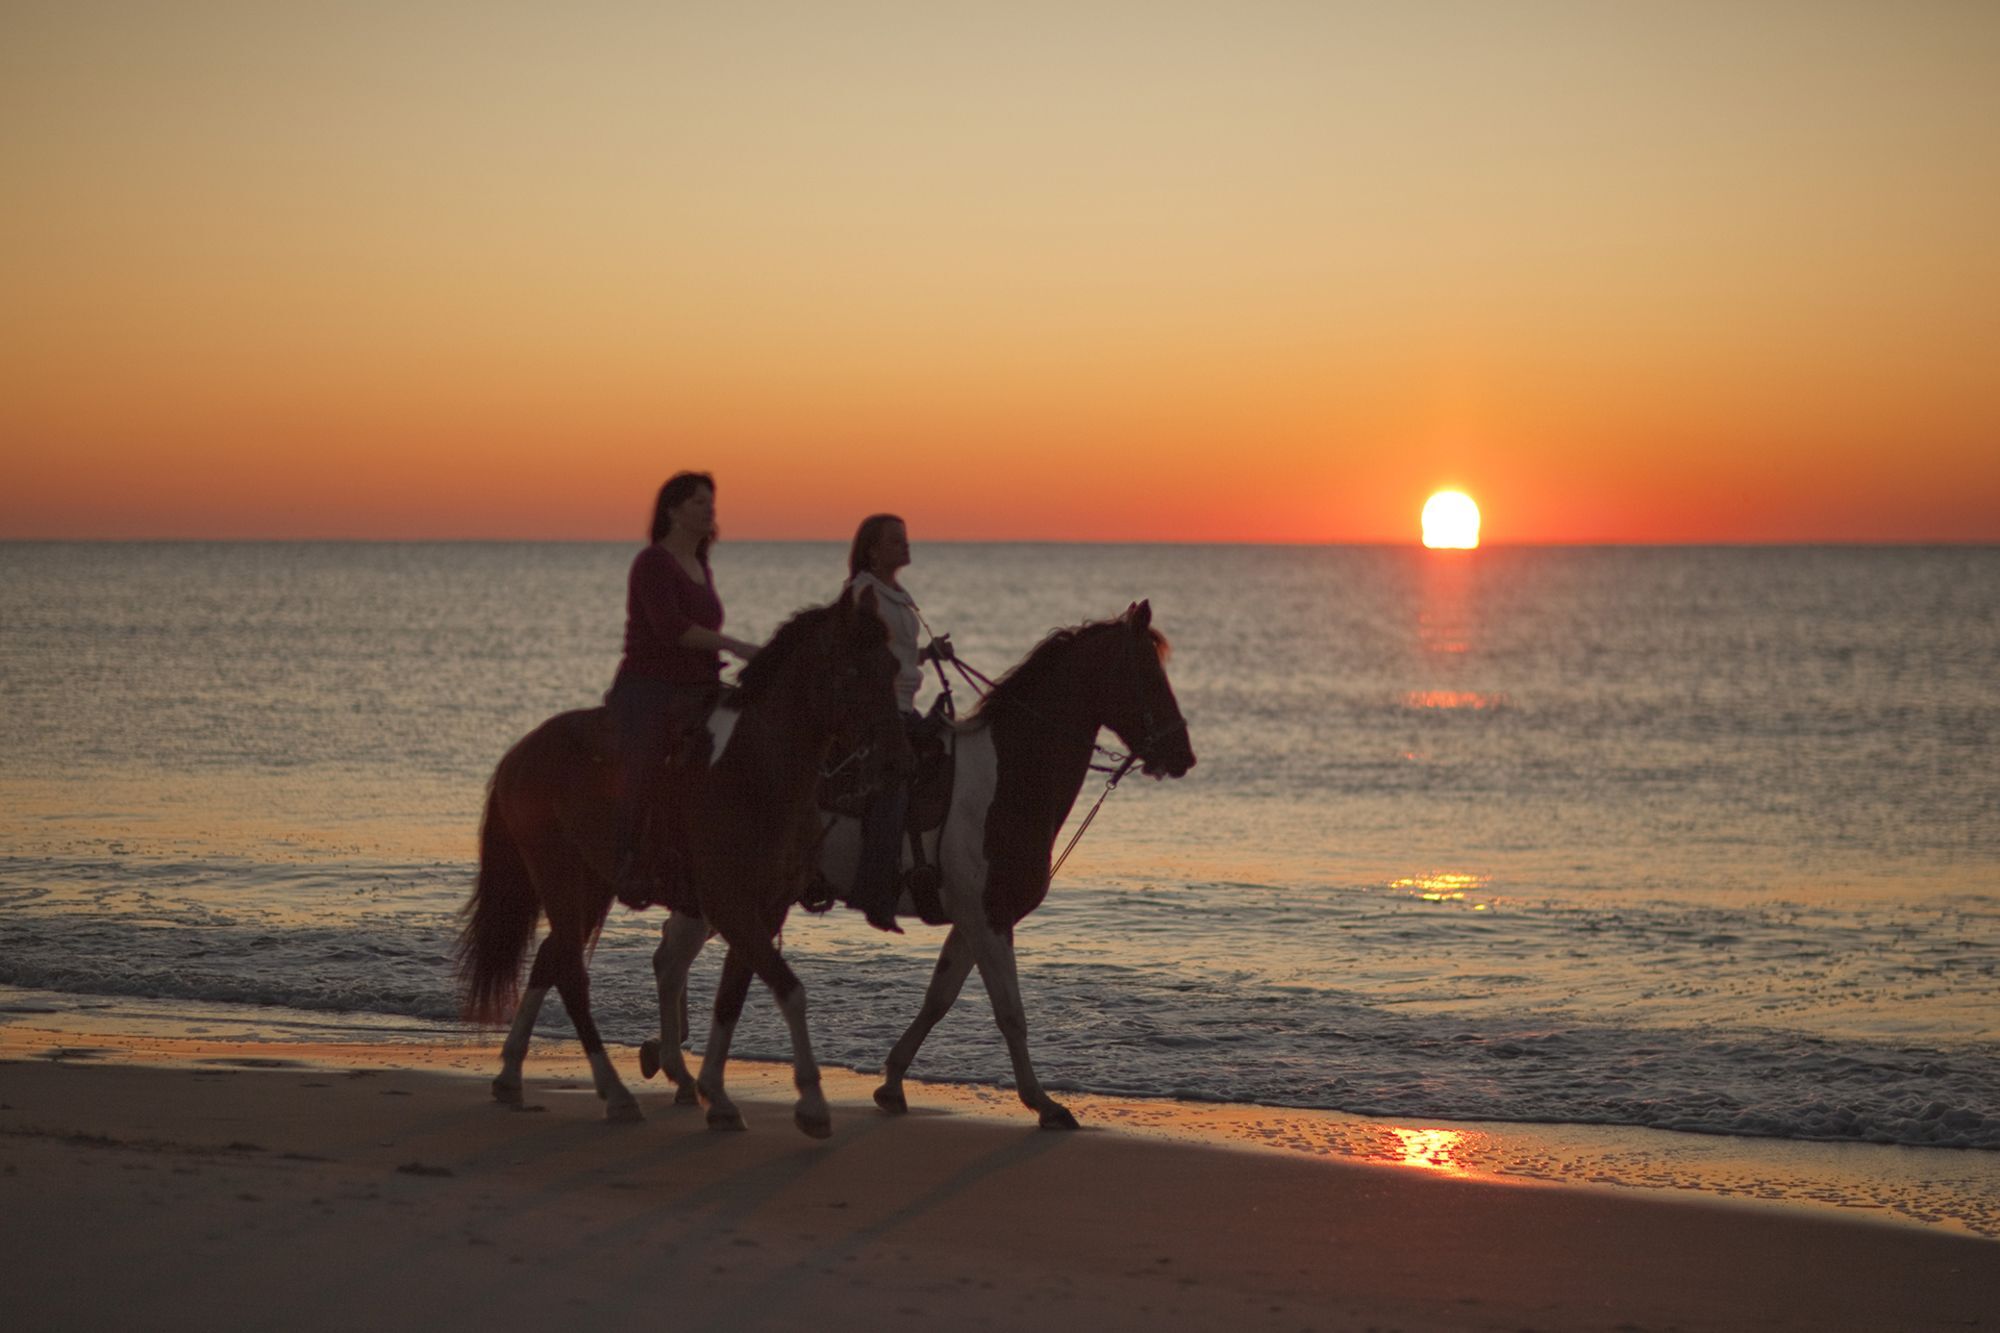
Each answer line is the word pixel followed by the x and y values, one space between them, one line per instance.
pixel 672 662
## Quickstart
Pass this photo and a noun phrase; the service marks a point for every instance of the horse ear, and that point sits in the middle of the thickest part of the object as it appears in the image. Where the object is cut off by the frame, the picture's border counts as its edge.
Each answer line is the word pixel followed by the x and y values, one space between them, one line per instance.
pixel 866 602
pixel 1140 613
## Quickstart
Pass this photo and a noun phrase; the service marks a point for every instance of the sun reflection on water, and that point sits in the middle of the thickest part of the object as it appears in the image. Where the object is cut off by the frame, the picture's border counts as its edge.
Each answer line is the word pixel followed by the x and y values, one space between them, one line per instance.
pixel 1431 1150
pixel 1451 699
pixel 1443 887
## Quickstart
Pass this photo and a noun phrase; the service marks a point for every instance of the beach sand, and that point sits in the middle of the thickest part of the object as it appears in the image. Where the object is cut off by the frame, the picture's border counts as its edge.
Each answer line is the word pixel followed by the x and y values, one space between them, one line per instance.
pixel 171 1182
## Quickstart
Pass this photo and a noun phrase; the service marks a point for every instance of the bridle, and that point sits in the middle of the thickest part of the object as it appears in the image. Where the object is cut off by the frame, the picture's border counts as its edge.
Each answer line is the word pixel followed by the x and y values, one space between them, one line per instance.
pixel 1117 763
pixel 1109 760
pixel 1145 751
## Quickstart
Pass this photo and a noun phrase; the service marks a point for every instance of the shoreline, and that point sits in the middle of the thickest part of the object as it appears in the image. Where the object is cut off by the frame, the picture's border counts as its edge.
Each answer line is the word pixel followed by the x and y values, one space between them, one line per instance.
pixel 1951 1191
pixel 318 1184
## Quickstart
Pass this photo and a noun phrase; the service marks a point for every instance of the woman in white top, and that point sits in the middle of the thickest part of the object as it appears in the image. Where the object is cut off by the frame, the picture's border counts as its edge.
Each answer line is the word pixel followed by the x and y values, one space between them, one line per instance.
pixel 880 552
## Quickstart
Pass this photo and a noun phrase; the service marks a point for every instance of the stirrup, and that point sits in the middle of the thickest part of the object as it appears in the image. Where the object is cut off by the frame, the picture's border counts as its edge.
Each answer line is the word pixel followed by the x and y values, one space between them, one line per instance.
pixel 820 895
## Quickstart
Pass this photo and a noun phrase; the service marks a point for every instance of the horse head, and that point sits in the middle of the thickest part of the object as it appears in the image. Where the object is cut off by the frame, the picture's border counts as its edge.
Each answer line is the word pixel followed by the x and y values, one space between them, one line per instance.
pixel 835 662
pixel 1140 706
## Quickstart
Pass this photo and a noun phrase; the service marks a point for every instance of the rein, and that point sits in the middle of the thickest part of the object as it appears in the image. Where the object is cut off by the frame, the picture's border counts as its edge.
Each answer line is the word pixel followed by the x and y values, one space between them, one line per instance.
pixel 1084 827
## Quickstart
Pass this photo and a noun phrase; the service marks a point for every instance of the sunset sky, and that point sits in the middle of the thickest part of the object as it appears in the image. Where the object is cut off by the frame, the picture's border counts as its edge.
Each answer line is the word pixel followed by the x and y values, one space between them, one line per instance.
pixel 1073 271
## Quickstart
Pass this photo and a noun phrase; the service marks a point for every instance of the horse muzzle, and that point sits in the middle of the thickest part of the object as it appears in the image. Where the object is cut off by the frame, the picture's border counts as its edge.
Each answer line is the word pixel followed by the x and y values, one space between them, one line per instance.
pixel 1167 753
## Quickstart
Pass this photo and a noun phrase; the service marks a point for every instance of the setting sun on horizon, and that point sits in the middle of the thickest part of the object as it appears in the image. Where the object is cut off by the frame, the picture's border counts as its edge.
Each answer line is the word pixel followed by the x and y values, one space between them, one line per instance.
pixel 1074 273
pixel 1451 522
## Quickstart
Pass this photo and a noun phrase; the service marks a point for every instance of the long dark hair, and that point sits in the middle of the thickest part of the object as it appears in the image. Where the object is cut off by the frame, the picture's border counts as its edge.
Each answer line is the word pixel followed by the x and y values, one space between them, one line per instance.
pixel 678 488
pixel 864 541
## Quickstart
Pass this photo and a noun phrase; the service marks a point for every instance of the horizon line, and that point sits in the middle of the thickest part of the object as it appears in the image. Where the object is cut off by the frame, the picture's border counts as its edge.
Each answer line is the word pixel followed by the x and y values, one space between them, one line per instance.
pixel 1415 544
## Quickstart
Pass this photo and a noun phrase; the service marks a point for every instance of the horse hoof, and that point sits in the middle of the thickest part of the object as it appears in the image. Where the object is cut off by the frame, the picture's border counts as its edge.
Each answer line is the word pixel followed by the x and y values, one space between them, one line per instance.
pixel 624 1111
pixel 649 1057
pixel 508 1094
pixel 1058 1117
pixel 892 1100
pixel 685 1095
pixel 726 1120
pixel 813 1126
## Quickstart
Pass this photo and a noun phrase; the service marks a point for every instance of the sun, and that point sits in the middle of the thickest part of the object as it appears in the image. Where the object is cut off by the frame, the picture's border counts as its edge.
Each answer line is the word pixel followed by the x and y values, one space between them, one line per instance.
pixel 1451 522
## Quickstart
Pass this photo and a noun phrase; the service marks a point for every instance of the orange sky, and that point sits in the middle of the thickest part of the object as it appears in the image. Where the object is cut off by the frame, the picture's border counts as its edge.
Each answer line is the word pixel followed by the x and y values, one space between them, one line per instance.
pixel 1078 271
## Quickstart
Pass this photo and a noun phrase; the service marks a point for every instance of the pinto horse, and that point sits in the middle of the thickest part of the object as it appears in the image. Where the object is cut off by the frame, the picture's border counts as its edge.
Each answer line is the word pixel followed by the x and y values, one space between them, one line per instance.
pixel 746 822
pixel 1021 760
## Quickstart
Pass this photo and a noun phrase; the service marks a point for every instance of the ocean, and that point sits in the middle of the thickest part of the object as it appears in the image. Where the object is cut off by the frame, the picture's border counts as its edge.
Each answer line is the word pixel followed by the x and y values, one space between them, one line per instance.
pixel 1694 848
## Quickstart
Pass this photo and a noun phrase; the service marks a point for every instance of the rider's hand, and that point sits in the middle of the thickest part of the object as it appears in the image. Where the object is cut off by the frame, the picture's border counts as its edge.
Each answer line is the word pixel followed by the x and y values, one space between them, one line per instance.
pixel 940 649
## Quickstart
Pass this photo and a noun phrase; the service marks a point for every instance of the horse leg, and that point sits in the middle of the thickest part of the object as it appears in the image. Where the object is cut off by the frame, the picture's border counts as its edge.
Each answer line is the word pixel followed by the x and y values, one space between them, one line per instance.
pixel 559 963
pixel 757 956
pixel 681 938
pixel 514 1051
pixel 811 1114
pixel 730 992
pixel 994 954
pixel 953 965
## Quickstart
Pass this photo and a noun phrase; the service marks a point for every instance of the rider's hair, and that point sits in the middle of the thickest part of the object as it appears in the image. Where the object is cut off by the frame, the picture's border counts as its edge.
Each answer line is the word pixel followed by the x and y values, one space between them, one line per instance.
pixel 679 487
pixel 865 537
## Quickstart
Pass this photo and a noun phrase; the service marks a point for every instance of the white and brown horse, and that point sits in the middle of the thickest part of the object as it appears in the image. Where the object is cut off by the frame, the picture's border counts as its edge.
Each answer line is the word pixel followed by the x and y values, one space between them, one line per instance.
pixel 1021 761
pixel 745 822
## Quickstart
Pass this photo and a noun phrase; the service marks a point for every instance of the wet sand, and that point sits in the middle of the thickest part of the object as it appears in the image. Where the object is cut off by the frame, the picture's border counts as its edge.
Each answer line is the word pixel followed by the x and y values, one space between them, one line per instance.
pixel 203 1183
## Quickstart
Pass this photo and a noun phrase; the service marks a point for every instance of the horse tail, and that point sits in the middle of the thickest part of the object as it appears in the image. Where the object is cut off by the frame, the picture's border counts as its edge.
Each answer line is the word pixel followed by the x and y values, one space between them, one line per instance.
pixel 500 921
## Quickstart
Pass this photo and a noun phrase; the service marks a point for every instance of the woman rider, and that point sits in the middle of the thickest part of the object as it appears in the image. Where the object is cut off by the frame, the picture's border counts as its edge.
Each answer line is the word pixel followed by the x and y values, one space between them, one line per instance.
pixel 881 549
pixel 671 667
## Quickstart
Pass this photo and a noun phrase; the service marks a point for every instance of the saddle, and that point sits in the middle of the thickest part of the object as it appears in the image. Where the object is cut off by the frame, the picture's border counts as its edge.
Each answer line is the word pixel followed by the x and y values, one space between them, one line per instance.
pixel 664 841
pixel 844 792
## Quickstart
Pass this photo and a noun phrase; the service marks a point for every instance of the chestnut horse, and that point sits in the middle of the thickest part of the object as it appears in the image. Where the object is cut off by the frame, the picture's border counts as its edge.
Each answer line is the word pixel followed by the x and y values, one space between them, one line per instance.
pixel 746 822
pixel 1020 762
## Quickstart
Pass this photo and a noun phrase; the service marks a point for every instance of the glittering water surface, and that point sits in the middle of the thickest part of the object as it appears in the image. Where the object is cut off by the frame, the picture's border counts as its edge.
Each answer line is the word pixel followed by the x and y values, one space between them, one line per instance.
pixel 1700 840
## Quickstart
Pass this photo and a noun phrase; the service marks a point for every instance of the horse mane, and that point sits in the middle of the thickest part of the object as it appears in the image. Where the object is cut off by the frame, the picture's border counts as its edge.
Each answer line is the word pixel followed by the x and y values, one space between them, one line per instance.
pixel 1026 675
pixel 755 680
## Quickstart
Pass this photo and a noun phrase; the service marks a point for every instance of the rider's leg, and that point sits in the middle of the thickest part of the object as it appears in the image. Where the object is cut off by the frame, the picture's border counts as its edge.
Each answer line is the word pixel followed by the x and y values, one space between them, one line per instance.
pixel 639 709
pixel 878 879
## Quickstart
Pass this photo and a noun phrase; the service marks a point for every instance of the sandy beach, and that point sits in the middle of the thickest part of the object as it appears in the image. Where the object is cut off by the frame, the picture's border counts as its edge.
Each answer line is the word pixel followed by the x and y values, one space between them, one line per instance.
pixel 1441 562
pixel 189 1183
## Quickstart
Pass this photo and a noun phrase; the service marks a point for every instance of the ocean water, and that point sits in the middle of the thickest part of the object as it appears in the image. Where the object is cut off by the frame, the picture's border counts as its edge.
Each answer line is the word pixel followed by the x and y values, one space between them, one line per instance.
pixel 1692 840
